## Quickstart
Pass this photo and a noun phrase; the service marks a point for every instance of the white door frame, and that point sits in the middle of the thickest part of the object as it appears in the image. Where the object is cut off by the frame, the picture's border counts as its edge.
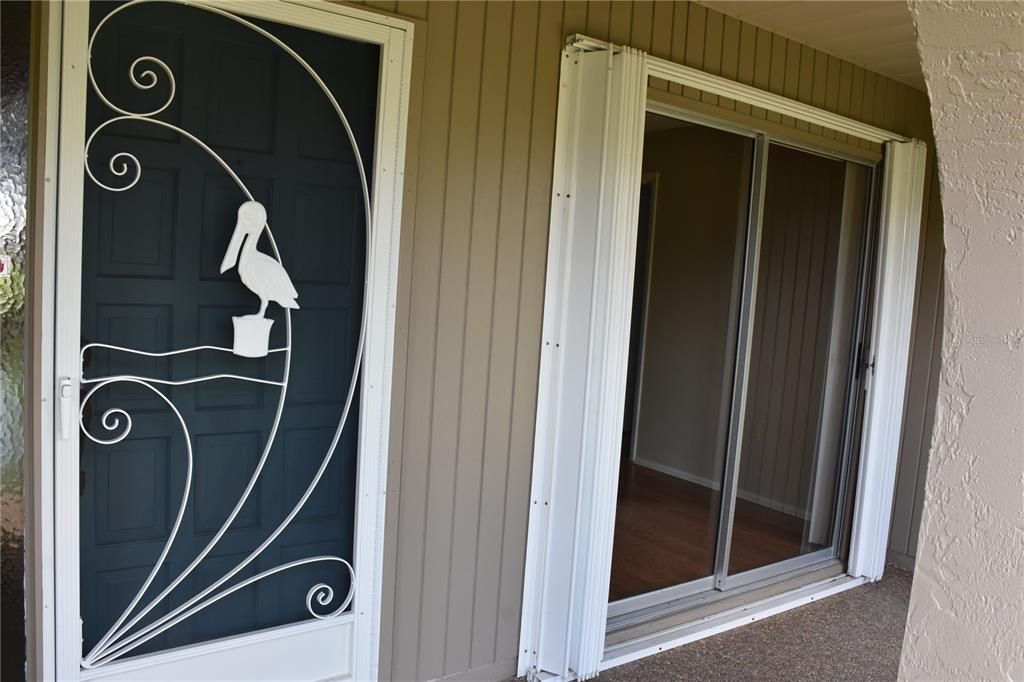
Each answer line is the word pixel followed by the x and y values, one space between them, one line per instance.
pixel 580 641
pixel 58 237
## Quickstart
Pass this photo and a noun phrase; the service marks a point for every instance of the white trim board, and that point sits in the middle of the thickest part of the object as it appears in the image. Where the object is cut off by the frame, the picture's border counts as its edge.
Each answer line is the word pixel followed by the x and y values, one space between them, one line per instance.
pixel 61 292
pixel 40 650
pixel 717 85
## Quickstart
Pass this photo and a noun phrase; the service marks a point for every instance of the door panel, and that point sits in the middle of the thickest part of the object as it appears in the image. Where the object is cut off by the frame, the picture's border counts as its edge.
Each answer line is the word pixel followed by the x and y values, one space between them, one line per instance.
pixel 151 281
pixel 669 497
pixel 800 367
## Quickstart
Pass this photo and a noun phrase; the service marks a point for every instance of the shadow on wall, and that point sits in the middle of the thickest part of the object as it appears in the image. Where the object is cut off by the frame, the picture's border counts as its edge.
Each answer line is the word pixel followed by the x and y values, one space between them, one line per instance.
pixel 14 69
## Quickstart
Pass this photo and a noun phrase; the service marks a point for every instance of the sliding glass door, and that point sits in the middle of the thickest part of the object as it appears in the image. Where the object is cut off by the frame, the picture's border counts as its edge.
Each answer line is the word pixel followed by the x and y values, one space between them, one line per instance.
pixel 688 288
pixel 802 373
pixel 744 363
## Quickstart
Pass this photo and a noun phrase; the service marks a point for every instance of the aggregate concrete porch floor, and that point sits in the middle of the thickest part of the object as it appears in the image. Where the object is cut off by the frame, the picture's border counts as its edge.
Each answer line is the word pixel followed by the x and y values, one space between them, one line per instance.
pixel 855 635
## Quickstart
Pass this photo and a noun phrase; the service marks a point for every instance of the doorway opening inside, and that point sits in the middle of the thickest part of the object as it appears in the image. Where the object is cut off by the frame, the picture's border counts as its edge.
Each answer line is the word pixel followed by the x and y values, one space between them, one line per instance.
pixel 745 378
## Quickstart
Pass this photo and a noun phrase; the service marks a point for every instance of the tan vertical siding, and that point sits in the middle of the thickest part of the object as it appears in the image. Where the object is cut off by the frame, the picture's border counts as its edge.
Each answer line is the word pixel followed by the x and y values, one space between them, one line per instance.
pixel 474 243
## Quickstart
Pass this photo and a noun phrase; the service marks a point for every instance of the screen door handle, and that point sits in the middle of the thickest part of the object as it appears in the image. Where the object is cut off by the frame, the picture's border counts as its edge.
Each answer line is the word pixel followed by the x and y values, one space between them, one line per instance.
pixel 64 394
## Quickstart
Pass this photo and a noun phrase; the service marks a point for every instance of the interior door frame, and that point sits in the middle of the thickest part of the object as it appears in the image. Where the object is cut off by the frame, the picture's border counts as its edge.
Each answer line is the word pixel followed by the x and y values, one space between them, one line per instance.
pixel 55 648
pixel 580 641
pixel 651 179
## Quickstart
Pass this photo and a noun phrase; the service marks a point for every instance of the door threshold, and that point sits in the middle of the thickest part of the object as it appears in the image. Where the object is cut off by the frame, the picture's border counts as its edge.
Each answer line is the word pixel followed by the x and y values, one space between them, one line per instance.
pixel 667 633
pixel 710 601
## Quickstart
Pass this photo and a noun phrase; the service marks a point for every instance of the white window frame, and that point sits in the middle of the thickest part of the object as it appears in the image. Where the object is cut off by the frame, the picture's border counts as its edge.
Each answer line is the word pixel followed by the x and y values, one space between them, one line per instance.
pixel 54 647
pixel 896 280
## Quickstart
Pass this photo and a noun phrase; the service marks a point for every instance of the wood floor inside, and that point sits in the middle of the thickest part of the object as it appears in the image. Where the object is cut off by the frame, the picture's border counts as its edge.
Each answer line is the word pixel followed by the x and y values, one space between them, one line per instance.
pixel 665 531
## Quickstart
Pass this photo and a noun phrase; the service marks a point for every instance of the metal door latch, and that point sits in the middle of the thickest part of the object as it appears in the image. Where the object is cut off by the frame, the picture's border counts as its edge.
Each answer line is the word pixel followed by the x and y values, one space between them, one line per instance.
pixel 64 395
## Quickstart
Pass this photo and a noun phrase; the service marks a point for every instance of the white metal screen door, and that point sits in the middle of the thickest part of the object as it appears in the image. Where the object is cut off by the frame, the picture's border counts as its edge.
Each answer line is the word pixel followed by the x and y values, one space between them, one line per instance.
pixel 225 287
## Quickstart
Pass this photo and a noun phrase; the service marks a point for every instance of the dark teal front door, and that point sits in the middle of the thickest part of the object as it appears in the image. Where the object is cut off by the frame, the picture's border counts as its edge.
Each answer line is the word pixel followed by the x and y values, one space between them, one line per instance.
pixel 152 282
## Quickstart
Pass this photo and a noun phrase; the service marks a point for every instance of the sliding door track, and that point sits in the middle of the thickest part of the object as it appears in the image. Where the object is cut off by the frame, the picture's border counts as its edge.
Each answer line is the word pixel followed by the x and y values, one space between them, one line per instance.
pixel 668 631
pixel 692 607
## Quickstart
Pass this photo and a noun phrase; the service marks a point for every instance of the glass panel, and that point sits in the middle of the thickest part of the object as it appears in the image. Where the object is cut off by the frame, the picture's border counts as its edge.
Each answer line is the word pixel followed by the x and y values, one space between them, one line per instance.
pixel 166 265
pixel 14 145
pixel 694 209
pixel 801 357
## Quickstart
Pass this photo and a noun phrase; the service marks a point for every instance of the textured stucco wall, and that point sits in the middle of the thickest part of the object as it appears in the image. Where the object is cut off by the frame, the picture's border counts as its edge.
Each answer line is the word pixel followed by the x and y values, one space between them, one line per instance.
pixel 966 617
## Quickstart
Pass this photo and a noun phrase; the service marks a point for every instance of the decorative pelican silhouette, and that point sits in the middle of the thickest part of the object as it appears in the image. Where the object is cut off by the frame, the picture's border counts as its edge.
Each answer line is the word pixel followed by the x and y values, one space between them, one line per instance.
pixel 260 273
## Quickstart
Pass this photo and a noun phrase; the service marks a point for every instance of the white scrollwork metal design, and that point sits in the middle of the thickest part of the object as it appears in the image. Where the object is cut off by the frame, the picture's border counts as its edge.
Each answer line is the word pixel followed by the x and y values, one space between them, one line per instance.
pixel 128 632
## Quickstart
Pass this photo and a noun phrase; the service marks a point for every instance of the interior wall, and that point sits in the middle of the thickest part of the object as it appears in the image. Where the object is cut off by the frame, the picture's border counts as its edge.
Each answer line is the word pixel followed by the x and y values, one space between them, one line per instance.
pixel 474 241
pixel 701 203
pixel 966 617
